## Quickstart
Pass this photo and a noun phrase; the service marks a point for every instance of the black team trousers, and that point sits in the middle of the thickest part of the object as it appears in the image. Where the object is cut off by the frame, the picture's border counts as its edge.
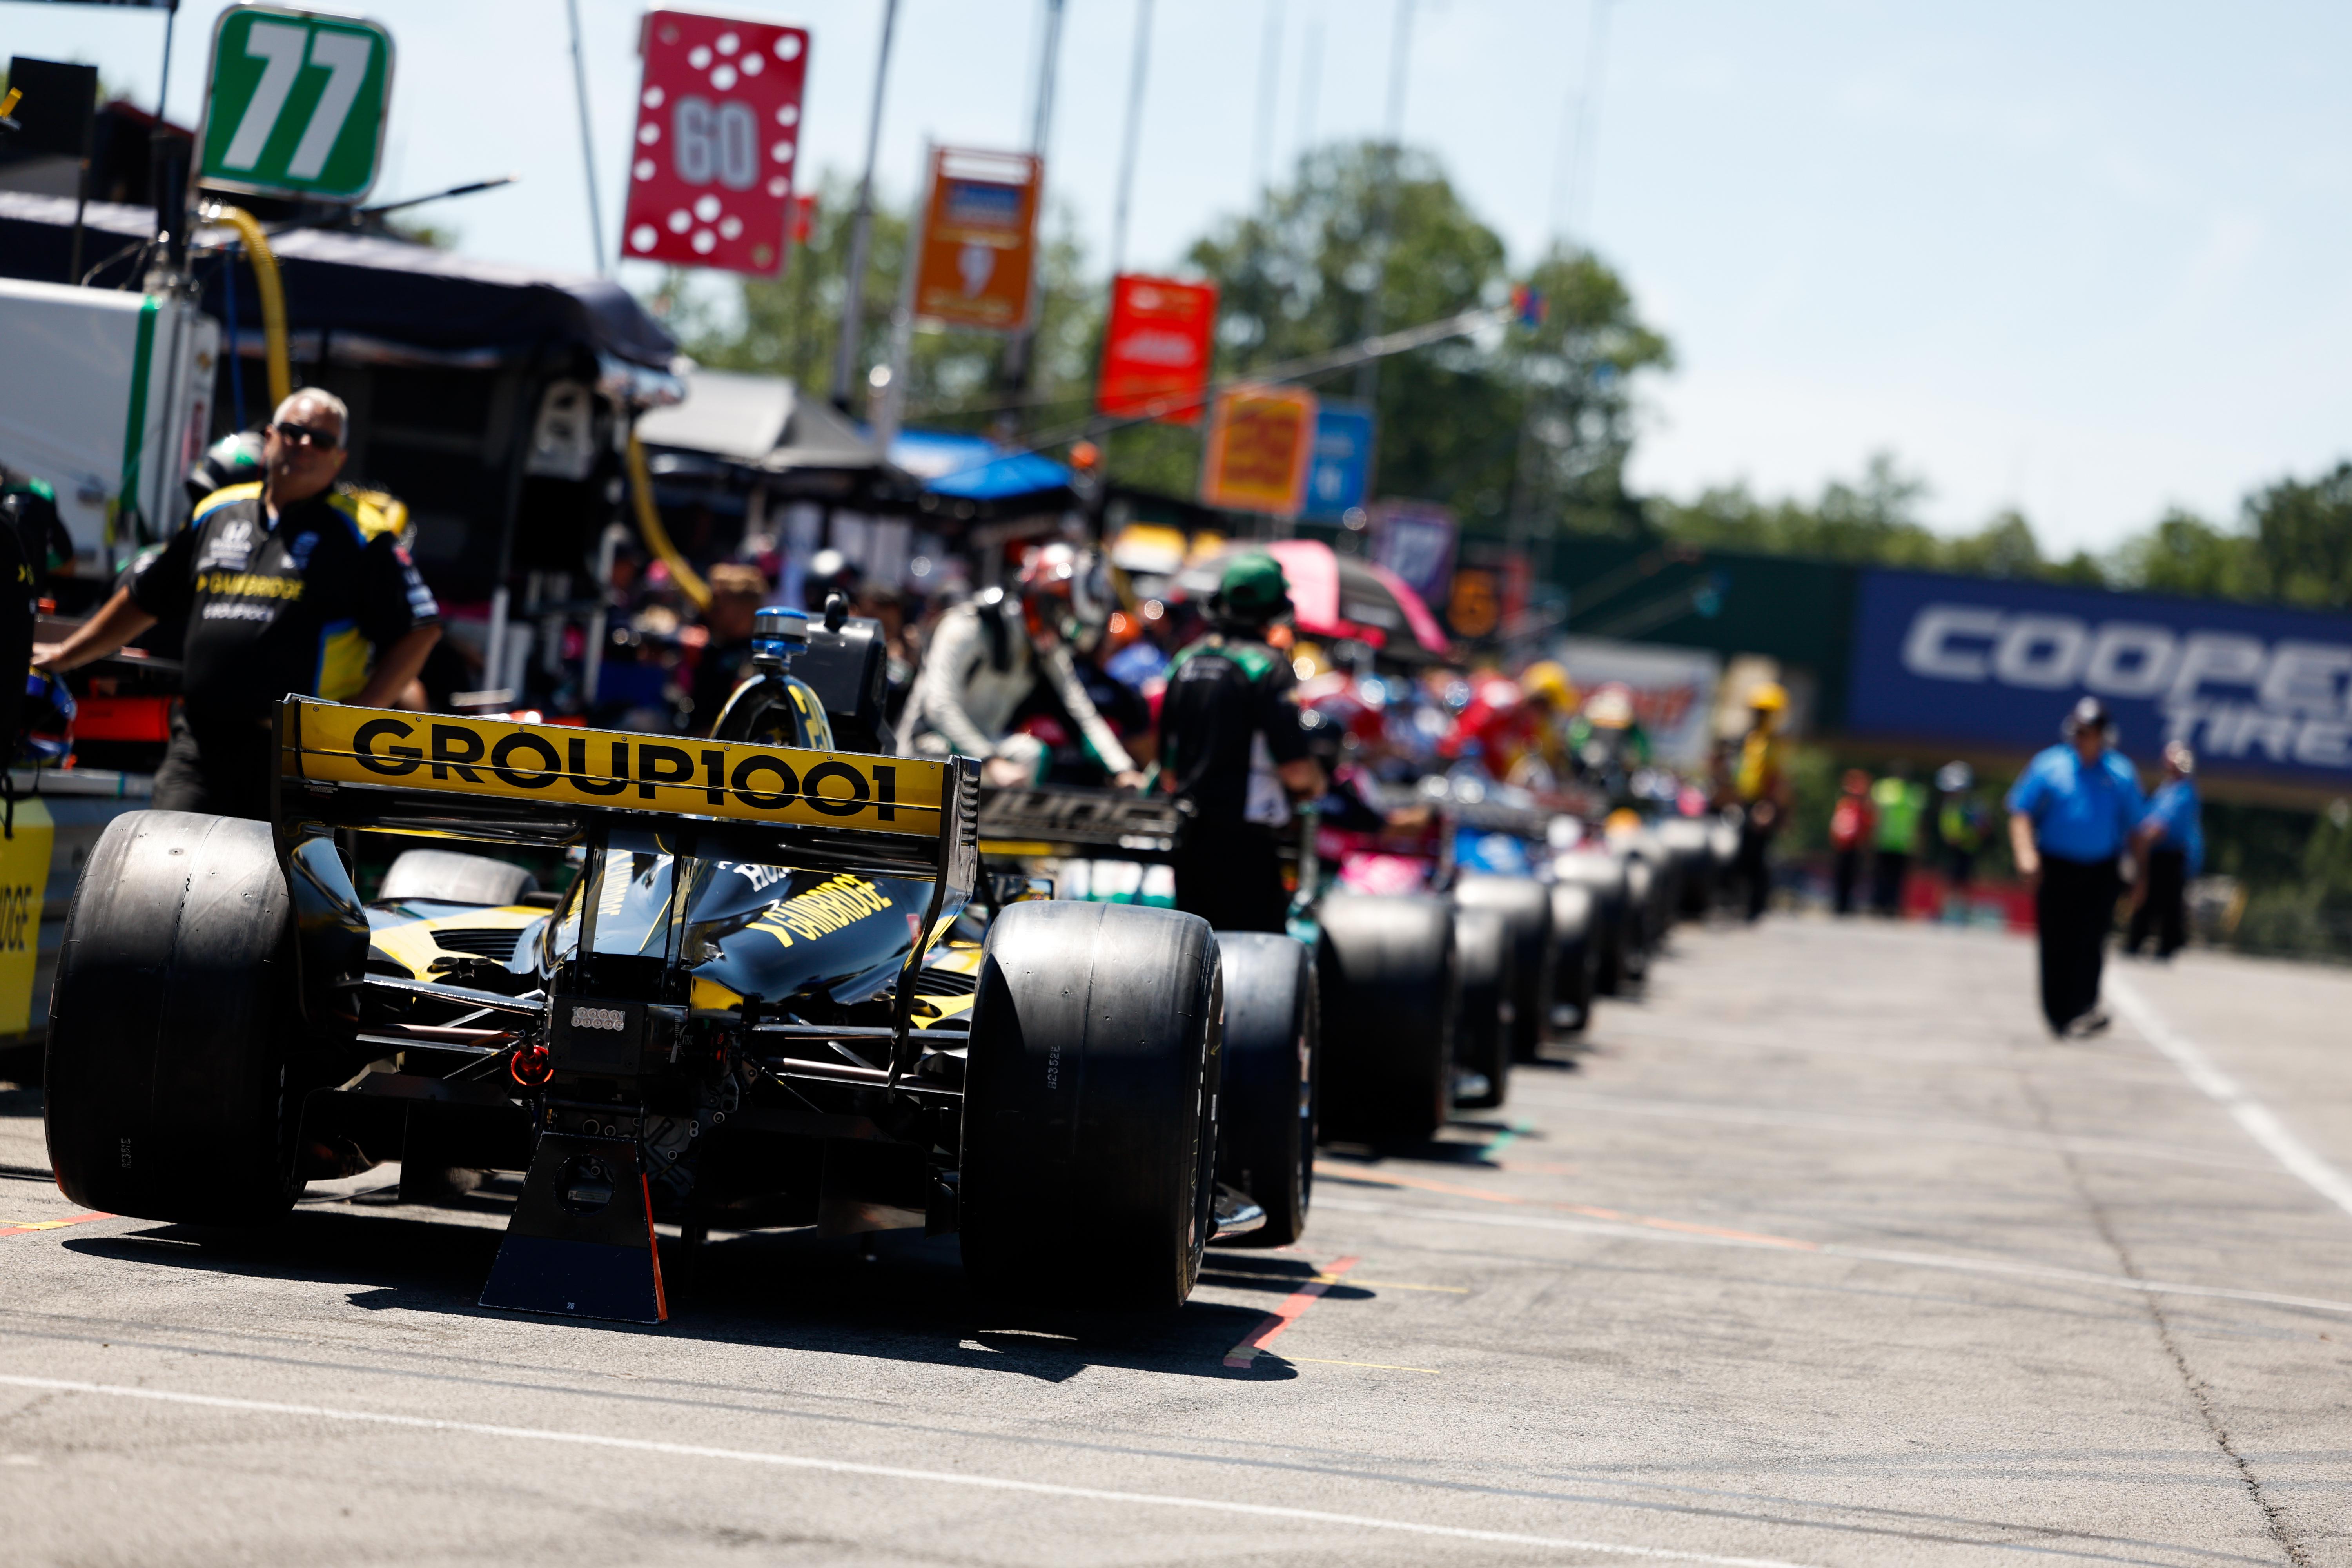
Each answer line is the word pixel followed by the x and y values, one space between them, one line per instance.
pixel 2072 908
pixel 2163 907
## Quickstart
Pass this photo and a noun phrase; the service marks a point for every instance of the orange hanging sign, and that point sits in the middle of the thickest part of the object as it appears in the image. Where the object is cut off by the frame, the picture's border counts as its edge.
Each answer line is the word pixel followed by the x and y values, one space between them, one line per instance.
pixel 978 251
pixel 1261 443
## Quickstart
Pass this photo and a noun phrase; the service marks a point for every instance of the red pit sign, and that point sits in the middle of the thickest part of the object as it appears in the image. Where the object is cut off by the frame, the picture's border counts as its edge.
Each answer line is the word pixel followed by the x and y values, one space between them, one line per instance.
pixel 719 124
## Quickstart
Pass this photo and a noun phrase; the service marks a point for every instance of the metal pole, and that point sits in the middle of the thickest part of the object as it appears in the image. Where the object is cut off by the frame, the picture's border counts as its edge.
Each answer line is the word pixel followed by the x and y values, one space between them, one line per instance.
pixel 1400 57
pixel 1012 376
pixel 1134 139
pixel 159 142
pixel 1270 63
pixel 1568 219
pixel 1368 375
pixel 887 406
pixel 587 143
pixel 1311 81
pixel 861 228
pixel 1041 124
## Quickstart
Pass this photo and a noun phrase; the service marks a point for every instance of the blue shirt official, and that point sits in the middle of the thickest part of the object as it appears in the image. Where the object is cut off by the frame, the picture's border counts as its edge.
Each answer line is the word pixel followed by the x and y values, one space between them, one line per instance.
pixel 2080 812
pixel 2176 810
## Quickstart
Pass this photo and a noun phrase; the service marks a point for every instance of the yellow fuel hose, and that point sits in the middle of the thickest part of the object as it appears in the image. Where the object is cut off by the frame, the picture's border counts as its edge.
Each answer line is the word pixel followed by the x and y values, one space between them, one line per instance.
pixel 273 300
pixel 656 537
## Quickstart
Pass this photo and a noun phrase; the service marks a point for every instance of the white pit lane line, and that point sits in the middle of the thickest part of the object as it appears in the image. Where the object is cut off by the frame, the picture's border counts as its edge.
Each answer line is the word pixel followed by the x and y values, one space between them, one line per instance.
pixel 887 1472
pixel 2008 1269
pixel 2227 1093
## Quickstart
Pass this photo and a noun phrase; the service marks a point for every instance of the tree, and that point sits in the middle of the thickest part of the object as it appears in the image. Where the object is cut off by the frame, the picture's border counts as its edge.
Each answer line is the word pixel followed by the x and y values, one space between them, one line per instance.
pixel 2183 554
pixel 1514 423
pixel 2304 535
pixel 790 326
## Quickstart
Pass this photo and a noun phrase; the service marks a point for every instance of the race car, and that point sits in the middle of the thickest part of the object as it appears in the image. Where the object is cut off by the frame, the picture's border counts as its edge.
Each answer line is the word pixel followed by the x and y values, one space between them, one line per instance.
pixel 1267 1121
pixel 776 989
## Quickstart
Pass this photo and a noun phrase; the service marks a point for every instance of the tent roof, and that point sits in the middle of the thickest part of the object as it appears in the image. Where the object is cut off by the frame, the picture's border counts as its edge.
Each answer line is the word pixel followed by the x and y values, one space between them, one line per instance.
pixel 741 417
pixel 759 421
pixel 973 467
pixel 358 285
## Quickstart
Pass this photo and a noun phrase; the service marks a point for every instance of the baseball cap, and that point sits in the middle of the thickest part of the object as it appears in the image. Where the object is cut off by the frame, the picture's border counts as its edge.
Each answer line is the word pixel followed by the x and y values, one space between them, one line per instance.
pixel 1253 587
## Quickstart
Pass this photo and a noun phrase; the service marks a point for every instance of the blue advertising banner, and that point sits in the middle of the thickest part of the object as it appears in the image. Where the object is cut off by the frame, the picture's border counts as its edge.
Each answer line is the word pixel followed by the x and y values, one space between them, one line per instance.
pixel 1342 464
pixel 2256 691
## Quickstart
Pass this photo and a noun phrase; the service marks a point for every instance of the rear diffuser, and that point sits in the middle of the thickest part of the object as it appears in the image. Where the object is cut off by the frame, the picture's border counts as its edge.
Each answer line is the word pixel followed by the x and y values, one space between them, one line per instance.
pixel 581 1244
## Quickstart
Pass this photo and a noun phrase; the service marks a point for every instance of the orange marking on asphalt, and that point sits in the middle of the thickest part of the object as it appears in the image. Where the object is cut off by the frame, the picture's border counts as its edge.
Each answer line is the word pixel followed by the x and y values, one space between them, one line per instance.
pixel 1281 1317
pixel 50 1223
pixel 1651 1222
pixel 1342 1174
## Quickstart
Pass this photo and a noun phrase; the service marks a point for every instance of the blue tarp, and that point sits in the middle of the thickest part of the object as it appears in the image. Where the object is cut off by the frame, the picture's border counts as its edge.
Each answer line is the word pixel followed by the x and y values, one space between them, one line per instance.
pixel 973 467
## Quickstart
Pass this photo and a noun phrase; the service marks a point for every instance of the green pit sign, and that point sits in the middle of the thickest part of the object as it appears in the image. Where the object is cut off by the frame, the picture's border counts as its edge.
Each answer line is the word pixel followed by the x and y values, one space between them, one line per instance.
pixel 295 104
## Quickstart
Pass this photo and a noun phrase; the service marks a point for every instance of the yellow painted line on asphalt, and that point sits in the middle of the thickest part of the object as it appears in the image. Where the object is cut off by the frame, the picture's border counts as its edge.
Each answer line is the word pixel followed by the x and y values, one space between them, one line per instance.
pixel 1373 1365
pixel 1399 1284
pixel 891 1472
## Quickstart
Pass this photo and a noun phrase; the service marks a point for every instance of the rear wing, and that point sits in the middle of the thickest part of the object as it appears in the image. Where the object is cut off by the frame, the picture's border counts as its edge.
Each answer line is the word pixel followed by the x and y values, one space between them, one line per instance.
pixel 557 786
pixel 1071 820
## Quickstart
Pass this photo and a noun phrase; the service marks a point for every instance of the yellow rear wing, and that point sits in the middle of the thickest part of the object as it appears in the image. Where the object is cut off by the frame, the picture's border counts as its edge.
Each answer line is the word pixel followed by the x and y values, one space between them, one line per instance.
pixel 609 770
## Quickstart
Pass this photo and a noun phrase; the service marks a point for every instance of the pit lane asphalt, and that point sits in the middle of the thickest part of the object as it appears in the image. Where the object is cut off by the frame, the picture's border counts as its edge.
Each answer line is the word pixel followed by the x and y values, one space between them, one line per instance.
pixel 1821 1253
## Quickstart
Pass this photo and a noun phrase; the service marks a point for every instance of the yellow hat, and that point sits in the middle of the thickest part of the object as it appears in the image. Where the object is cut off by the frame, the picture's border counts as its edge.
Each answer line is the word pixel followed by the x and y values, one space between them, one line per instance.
pixel 1769 697
pixel 1549 681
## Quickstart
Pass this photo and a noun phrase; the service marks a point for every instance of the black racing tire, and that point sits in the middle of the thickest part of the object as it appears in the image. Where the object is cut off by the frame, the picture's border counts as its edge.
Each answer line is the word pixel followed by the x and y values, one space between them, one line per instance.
pixel 1604 875
pixel 1090 1097
pixel 1266 1106
pixel 170 1090
pixel 1686 840
pixel 1641 893
pixel 1486 974
pixel 1575 956
pixel 449 877
pixel 1385 969
pixel 1525 906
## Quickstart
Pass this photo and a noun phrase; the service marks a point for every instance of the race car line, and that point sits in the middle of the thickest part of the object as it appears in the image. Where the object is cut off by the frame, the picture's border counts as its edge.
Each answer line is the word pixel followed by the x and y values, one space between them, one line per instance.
pixel 1706 1236
pixel 1281 1317
pixel 887 1472
pixel 2226 1091
pixel 52 1224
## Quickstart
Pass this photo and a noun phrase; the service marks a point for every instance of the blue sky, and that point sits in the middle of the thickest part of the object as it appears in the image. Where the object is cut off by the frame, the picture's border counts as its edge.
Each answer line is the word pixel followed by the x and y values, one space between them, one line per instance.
pixel 2087 260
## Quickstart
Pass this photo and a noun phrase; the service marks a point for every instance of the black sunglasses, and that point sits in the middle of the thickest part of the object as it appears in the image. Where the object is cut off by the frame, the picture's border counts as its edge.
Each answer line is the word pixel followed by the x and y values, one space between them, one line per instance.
pixel 305 435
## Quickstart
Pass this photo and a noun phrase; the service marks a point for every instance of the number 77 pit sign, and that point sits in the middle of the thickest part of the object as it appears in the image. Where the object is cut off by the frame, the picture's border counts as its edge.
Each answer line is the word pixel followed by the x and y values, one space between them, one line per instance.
pixel 295 104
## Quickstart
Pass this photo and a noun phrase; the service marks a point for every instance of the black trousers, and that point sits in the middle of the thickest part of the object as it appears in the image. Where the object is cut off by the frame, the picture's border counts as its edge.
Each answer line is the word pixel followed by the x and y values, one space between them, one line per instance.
pixel 1887 882
pixel 1846 876
pixel 2072 908
pixel 1755 869
pixel 221 767
pixel 2163 906
pixel 1231 876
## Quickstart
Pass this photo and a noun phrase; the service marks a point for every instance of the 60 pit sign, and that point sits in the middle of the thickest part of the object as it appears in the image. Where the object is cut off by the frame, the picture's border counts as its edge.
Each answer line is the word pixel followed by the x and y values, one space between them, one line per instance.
pixel 718 136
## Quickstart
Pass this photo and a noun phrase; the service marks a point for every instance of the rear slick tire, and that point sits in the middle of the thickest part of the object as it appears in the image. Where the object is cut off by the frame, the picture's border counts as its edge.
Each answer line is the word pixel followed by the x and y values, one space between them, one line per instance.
pixel 169 1091
pixel 1385 971
pixel 1486 972
pixel 1526 905
pixel 1266 1106
pixel 1089 1125
pixel 1575 956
